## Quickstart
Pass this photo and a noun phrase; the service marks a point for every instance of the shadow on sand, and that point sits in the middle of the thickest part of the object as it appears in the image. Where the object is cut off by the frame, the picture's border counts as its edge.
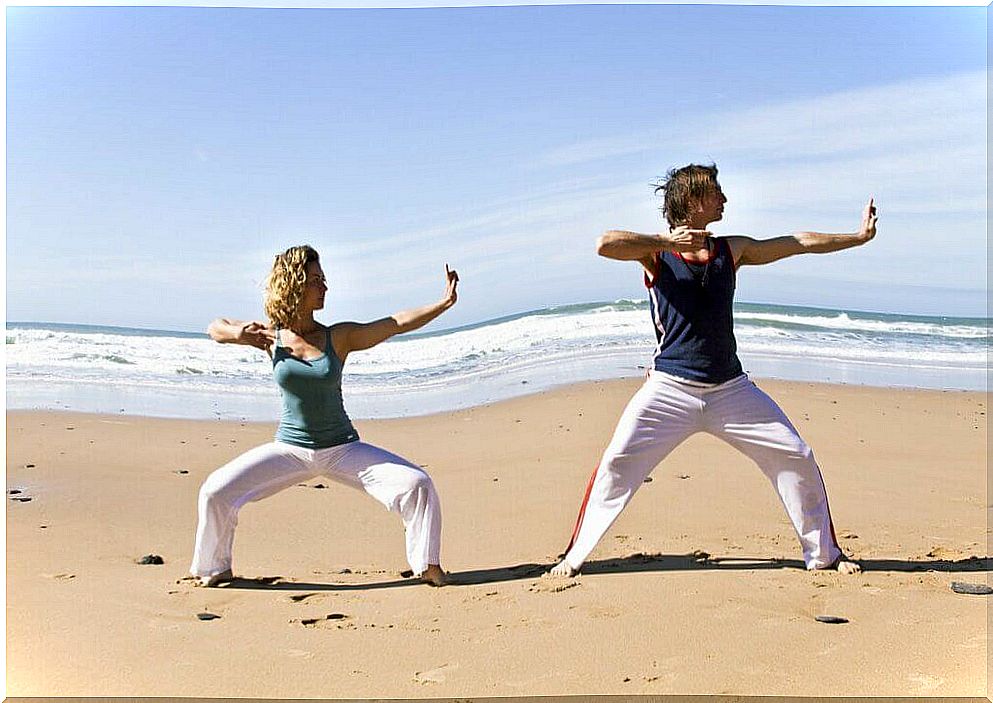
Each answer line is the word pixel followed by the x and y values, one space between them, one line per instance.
pixel 636 563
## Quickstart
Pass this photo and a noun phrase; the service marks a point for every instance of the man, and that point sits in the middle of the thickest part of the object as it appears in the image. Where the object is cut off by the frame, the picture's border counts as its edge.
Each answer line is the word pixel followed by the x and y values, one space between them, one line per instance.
pixel 696 383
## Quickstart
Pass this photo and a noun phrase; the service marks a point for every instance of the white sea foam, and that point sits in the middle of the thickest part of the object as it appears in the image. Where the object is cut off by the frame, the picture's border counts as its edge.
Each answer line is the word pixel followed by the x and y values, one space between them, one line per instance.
pixel 593 341
pixel 842 321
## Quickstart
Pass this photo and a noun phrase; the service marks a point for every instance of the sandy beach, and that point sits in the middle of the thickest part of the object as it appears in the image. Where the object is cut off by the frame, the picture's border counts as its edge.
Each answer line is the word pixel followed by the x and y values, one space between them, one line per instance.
pixel 698 588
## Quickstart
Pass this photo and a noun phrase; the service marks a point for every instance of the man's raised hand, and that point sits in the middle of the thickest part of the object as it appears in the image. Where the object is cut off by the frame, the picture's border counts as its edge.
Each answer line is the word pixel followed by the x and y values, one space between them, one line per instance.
pixel 683 238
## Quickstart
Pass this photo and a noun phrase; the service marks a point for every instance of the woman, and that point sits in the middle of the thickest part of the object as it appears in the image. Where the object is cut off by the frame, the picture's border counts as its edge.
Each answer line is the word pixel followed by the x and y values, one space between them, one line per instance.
pixel 315 436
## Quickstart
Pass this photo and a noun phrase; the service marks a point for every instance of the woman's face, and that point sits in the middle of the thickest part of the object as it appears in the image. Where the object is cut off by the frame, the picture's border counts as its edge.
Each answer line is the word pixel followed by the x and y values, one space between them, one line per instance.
pixel 314 288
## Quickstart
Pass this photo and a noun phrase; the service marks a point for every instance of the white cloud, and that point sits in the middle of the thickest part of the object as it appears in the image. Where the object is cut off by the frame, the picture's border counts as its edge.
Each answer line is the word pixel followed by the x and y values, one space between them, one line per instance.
pixel 949 110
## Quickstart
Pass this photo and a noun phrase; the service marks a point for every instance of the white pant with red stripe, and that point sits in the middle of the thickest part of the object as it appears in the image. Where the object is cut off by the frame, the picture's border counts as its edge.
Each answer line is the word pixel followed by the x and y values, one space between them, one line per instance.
pixel 261 472
pixel 663 413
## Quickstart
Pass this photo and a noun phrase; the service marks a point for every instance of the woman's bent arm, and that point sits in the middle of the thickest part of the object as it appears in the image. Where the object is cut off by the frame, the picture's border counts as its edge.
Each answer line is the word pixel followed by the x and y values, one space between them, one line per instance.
pixel 252 333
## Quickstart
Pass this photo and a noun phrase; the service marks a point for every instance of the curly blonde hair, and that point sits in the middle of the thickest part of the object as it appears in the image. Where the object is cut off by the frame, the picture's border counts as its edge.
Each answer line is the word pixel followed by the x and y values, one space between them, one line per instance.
pixel 284 287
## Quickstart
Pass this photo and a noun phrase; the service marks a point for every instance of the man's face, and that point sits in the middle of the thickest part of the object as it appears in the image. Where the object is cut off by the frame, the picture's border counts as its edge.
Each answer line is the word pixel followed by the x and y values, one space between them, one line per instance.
pixel 711 206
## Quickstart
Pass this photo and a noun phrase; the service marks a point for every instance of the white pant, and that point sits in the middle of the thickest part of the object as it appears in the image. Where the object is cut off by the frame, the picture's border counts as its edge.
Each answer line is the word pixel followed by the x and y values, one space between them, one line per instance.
pixel 264 471
pixel 663 413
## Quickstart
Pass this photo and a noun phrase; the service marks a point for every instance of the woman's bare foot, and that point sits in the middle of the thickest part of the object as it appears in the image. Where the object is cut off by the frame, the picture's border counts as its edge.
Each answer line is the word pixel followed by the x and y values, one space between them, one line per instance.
pixel 843 566
pixel 847 567
pixel 563 568
pixel 434 575
pixel 211 581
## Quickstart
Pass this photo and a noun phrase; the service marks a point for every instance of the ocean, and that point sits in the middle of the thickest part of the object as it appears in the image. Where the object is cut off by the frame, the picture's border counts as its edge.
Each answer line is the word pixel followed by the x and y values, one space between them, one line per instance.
pixel 181 374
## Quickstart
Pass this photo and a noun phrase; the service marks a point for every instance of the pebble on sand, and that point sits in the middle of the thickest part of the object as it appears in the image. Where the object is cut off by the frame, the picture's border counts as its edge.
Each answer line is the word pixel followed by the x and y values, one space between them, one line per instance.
pixel 831 619
pixel 972 589
pixel 151 559
pixel 208 616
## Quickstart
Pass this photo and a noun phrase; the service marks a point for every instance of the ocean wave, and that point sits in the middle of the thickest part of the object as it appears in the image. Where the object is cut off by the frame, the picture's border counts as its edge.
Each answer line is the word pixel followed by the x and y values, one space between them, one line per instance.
pixel 564 335
pixel 113 358
pixel 844 322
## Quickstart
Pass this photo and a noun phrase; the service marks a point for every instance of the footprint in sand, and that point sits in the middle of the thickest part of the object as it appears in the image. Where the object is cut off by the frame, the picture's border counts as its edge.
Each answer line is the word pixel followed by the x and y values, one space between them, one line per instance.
pixel 437 675
pixel 299 654
pixel 927 682
pixel 301 597
pixel 943 553
pixel 553 585
pixel 314 622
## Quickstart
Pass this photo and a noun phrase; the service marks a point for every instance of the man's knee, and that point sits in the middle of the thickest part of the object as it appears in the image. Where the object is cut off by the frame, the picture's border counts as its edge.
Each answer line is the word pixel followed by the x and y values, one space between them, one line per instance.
pixel 416 488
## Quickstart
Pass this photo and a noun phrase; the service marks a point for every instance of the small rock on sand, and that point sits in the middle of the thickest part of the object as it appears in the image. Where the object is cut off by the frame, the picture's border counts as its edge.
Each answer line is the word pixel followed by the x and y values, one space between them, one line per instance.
pixel 208 616
pixel 831 619
pixel 151 559
pixel 972 589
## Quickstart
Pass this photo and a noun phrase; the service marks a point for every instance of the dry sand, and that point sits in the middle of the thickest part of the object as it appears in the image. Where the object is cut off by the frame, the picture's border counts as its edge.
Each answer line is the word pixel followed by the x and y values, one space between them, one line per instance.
pixel 905 470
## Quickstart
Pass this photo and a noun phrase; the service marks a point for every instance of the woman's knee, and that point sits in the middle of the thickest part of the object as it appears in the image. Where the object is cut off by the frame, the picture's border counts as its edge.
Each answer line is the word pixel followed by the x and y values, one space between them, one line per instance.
pixel 216 493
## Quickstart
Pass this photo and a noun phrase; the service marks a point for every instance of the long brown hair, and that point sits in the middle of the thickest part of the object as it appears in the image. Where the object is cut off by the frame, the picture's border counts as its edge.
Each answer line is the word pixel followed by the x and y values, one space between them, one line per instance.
pixel 681 186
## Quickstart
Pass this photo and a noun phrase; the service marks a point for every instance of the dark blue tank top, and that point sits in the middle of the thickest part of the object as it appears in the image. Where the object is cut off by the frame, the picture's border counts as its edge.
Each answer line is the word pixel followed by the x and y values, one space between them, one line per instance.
pixel 313 410
pixel 691 311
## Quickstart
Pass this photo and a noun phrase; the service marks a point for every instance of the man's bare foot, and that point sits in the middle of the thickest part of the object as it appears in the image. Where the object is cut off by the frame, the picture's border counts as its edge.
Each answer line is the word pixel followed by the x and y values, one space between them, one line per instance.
pixel 211 581
pixel 434 575
pixel 563 568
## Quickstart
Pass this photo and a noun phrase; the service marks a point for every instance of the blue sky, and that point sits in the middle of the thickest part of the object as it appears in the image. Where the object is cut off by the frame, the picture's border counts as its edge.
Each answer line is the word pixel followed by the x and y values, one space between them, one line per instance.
pixel 158 157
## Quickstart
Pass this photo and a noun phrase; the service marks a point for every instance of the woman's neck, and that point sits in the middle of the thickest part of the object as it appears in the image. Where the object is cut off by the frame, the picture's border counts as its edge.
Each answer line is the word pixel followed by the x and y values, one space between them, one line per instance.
pixel 304 325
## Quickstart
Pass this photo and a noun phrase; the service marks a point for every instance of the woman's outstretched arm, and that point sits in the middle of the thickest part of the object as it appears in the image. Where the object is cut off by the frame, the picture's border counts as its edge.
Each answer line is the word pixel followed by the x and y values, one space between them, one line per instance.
pixel 356 336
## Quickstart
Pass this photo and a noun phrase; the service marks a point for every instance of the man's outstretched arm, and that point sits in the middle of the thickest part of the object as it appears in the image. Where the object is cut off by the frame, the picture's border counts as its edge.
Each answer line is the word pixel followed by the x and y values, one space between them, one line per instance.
pixel 748 251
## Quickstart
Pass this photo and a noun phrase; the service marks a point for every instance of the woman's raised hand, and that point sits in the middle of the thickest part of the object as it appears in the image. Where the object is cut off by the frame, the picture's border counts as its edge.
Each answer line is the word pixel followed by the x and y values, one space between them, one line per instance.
pixel 451 294
pixel 256 334
pixel 868 228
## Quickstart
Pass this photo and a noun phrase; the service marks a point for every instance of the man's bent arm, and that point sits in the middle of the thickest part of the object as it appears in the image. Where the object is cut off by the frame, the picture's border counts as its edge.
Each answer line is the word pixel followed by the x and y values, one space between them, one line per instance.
pixel 631 246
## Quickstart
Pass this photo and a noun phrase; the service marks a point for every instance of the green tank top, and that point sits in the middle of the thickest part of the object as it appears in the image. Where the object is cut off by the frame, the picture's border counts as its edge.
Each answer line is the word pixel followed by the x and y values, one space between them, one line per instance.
pixel 313 411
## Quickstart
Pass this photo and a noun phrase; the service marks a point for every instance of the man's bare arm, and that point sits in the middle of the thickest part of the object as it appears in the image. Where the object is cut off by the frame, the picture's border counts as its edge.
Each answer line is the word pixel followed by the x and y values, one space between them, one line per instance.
pixel 749 251
pixel 632 246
